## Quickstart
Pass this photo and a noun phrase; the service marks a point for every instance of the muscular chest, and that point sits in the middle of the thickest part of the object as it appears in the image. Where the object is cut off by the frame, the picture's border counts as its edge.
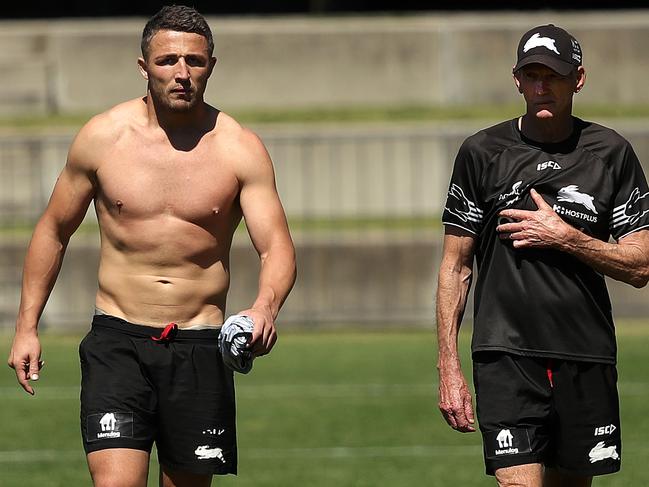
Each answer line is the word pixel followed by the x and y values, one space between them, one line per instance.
pixel 576 185
pixel 145 182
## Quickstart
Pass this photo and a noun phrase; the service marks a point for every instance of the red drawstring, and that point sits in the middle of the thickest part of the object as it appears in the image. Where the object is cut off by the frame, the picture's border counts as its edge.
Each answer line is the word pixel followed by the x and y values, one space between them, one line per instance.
pixel 549 371
pixel 167 334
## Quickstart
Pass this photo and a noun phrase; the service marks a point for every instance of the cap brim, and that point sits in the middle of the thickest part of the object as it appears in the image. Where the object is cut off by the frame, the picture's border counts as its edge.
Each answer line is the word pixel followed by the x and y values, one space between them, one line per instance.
pixel 561 67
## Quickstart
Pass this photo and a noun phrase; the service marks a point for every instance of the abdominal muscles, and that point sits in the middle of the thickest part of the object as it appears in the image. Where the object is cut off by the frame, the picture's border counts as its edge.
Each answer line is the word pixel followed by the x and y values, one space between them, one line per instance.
pixel 164 270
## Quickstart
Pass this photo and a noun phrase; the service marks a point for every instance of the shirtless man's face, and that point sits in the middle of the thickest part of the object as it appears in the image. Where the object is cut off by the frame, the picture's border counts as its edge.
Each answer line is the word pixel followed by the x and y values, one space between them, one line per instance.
pixel 177 68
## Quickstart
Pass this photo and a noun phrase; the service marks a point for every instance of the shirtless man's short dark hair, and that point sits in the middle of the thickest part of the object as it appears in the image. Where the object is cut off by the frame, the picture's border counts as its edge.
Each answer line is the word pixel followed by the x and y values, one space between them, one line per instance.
pixel 178 18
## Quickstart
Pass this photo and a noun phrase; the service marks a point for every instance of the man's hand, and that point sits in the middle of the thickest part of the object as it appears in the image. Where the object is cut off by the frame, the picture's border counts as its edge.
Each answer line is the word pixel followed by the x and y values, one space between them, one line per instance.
pixel 264 334
pixel 542 228
pixel 25 359
pixel 455 401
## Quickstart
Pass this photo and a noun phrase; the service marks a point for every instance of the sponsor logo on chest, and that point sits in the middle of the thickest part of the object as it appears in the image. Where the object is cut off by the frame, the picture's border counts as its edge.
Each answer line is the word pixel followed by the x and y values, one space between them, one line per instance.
pixel 513 195
pixel 572 194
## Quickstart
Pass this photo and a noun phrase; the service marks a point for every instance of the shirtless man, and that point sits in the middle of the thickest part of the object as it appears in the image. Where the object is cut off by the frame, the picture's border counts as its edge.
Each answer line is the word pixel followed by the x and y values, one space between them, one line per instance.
pixel 170 177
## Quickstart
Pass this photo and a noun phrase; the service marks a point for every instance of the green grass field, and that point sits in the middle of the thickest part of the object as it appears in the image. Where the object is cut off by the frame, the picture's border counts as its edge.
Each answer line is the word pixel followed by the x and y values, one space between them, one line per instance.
pixel 336 408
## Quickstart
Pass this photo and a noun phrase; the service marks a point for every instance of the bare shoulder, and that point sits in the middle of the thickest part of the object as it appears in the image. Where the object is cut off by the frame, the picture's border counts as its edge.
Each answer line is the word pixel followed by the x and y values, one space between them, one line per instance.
pixel 249 153
pixel 102 132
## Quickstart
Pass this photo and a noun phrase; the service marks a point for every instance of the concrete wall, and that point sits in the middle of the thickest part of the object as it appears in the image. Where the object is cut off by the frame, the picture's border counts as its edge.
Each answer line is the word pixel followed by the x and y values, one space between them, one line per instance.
pixel 374 281
pixel 431 59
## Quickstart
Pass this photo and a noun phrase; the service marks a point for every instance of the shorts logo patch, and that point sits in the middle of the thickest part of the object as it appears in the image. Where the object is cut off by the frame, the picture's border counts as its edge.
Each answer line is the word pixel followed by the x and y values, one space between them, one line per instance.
pixel 214 431
pixel 108 422
pixel 109 425
pixel 204 452
pixel 601 452
pixel 605 430
pixel 507 441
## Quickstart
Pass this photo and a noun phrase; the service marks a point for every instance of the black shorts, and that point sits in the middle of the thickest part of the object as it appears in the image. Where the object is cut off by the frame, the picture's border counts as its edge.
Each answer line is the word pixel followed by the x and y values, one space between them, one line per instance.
pixel 563 414
pixel 176 393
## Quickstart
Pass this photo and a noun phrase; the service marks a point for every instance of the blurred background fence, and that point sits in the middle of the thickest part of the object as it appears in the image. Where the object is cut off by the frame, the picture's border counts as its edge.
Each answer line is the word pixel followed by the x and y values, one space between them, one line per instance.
pixel 363 199
pixel 364 206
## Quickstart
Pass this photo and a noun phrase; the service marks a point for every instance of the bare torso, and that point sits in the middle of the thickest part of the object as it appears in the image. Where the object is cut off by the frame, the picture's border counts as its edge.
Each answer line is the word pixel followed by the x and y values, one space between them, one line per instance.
pixel 171 178
pixel 167 216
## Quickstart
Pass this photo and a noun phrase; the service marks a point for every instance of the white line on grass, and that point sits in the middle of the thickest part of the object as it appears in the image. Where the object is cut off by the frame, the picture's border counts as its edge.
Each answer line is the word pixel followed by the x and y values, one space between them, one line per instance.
pixel 269 391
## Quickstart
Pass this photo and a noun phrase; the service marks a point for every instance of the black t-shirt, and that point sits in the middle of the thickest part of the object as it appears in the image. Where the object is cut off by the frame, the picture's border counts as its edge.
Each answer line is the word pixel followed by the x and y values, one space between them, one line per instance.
pixel 544 302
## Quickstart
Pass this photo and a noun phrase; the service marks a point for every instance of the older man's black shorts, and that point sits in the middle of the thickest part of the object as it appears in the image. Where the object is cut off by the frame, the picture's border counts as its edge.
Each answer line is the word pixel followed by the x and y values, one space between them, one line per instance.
pixel 175 392
pixel 563 414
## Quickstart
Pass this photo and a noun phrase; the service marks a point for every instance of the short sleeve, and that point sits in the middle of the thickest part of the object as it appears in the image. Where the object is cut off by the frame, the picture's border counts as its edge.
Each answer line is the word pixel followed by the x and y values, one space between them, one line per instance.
pixel 462 208
pixel 631 199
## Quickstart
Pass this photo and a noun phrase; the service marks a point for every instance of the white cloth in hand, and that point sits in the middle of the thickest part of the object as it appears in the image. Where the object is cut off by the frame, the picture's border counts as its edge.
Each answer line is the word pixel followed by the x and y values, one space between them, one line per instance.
pixel 233 342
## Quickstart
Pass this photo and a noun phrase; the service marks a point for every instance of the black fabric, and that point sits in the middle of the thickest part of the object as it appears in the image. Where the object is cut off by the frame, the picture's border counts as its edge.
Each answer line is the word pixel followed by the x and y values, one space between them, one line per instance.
pixel 568 419
pixel 177 392
pixel 544 302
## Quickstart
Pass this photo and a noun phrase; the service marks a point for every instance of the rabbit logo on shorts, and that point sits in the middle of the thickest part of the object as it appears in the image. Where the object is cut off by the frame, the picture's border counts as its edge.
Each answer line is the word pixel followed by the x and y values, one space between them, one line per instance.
pixel 204 452
pixel 602 452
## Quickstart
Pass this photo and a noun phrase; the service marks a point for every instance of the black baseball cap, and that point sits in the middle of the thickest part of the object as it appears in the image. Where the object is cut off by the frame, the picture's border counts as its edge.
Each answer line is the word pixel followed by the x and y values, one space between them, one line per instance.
pixel 551 46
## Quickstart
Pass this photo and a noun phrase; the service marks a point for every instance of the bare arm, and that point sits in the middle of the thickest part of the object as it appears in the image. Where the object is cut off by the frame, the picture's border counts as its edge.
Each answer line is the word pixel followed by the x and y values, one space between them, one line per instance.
pixel 453 286
pixel 67 207
pixel 626 261
pixel 268 229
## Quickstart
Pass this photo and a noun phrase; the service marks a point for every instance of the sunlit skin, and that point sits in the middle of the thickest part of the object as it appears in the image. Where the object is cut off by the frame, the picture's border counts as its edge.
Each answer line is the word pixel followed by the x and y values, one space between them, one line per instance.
pixel 548 98
pixel 177 66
